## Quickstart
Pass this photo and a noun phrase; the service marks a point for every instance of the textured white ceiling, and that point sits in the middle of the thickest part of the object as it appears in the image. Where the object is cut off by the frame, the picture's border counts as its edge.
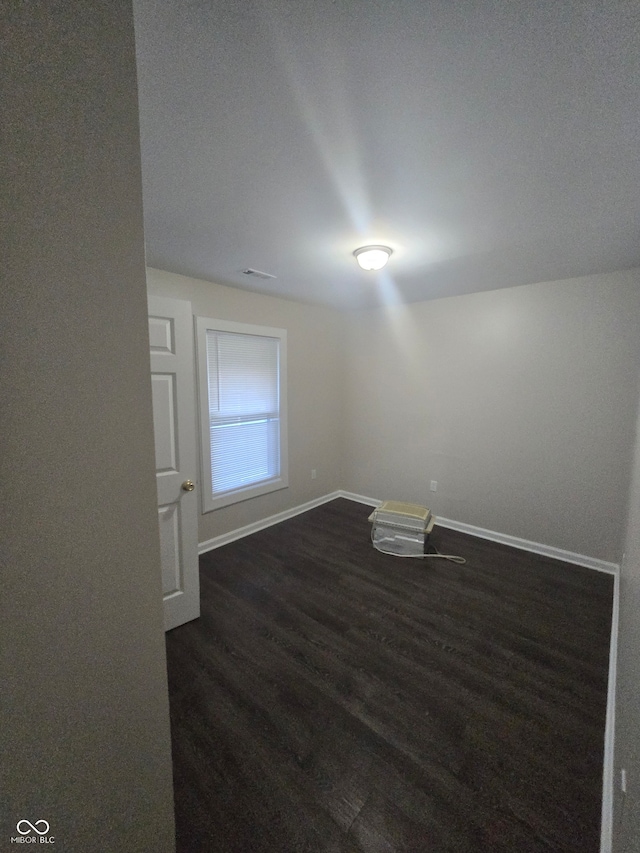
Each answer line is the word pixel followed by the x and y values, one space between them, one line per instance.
pixel 490 143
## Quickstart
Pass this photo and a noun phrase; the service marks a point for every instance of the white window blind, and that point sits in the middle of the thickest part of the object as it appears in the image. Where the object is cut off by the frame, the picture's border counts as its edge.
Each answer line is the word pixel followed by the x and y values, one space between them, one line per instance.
pixel 244 409
pixel 242 385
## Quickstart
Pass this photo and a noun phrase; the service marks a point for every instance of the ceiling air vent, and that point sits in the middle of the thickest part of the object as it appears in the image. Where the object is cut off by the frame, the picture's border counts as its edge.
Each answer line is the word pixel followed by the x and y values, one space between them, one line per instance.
pixel 258 274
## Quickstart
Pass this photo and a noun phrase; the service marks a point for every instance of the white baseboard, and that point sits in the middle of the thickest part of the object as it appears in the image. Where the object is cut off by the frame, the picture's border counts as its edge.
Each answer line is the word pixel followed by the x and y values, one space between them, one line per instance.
pixel 608 771
pixel 361 499
pixel 248 529
pixel 533 547
pixel 506 539
pixel 472 530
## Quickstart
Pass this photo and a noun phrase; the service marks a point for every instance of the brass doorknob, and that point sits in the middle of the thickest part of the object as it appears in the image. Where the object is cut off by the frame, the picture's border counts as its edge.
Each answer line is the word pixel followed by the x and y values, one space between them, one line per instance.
pixel 188 485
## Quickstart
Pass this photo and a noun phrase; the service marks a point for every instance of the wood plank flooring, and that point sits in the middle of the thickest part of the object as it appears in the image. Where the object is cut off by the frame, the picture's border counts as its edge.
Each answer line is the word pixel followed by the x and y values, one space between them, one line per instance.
pixel 332 699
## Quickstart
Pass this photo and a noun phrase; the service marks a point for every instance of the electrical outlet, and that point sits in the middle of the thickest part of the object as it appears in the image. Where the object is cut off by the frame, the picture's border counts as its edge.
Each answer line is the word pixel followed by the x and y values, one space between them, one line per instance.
pixel 434 485
pixel 623 781
pixel 313 473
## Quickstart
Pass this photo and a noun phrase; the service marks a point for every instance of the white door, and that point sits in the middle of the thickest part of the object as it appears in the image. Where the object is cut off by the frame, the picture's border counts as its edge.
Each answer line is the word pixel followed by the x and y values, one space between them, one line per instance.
pixel 172 383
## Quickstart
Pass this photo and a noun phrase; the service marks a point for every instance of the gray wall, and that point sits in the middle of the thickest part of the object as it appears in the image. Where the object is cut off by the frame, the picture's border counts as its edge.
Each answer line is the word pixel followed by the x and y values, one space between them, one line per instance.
pixel 315 363
pixel 626 818
pixel 85 718
pixel 520 403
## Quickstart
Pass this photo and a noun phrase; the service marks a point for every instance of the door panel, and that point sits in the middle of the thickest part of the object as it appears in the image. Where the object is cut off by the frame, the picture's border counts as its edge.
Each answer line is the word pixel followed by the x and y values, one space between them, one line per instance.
pixel 172 388
pixel 160 334
pixel 169 520
pixel 164 422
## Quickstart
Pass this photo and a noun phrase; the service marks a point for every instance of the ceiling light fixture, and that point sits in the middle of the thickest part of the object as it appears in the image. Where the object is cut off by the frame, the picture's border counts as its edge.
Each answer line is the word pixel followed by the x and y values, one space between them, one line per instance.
pixel 372 257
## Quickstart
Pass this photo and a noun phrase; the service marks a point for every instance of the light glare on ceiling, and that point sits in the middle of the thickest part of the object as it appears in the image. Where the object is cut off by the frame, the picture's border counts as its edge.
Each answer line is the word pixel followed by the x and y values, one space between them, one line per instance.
pixel 372 257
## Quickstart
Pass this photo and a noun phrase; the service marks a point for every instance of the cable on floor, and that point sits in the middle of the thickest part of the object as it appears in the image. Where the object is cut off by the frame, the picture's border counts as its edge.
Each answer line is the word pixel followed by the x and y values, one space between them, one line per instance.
pixel 451 557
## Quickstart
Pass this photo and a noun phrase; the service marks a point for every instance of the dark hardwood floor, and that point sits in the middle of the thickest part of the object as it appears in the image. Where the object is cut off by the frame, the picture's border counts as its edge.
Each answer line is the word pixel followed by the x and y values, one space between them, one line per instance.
pixel 332 699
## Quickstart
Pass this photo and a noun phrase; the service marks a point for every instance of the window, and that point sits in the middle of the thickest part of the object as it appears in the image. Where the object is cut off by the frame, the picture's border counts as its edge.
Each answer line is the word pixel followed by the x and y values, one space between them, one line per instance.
pixel 242 384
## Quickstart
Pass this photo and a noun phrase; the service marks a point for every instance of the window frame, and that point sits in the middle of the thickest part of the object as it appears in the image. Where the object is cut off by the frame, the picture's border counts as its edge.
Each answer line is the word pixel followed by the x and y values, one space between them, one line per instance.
pixel 202 326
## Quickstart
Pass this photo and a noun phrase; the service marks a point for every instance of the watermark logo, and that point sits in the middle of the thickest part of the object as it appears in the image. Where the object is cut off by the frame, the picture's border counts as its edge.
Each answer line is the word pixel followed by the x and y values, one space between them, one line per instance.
pixel 33 833
pixel 32 827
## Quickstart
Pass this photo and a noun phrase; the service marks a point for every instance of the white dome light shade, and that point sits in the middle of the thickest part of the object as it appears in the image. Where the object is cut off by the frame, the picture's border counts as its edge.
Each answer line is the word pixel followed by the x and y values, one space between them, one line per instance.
pixel 372 257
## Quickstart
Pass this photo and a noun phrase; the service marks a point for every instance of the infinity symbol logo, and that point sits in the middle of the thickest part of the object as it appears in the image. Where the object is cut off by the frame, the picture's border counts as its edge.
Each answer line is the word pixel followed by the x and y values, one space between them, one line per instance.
pixel 33 827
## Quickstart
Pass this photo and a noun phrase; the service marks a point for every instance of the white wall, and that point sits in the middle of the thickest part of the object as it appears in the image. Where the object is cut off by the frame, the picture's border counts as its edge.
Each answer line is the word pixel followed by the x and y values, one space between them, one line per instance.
pixel 520 403
pixel 315 390
pixel 85 727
